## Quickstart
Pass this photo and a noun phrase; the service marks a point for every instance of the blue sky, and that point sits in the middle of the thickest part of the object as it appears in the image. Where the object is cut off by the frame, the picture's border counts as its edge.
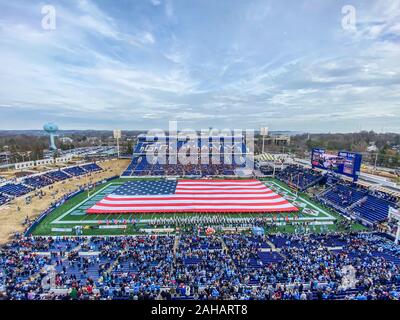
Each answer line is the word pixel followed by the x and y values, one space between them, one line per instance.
pixel 288 65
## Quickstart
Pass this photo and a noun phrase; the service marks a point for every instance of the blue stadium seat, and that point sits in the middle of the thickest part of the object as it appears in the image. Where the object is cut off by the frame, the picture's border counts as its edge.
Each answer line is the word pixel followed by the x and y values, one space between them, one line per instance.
pixel 57 175
pixel 15 190
pixel 92 167
pixel 299 177
pixel 38 181
pixel 373 209
pixel 74 171
pixel 139 165
pixel 3 199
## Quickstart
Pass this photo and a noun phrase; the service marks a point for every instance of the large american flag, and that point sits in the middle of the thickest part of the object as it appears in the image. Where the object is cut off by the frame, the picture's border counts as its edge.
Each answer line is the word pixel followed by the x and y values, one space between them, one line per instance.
pixel 192 196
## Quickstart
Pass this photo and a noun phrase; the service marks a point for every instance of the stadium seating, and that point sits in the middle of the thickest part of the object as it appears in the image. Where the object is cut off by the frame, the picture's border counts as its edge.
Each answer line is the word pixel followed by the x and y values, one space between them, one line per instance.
pixel 302 267
pixel 270 257
pixel 15 190
pixel 384 196
pixel 92 167
pixel 74 171
pixel 3 199
pixel 299 177
pixel 350 198
pixel 140 166
pixel 37 182
pixel 57 175
pixel 344 195
pixel 388 257
pixel 373 209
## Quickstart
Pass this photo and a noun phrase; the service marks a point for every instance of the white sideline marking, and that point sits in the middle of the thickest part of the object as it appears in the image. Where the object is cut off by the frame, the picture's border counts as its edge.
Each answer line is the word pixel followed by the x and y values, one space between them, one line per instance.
pixel 81 203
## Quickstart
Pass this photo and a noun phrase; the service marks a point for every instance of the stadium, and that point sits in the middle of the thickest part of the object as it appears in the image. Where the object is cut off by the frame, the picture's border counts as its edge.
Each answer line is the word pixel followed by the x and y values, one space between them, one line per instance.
pixel 100 204
pixel 196 231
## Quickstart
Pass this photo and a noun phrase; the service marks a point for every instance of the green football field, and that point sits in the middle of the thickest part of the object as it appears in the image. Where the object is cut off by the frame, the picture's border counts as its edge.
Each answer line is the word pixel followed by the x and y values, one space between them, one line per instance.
pixel 63 219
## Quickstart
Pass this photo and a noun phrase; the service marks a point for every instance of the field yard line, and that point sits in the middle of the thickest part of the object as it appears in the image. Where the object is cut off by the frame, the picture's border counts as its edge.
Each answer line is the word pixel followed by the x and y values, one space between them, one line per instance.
pixel 305 200
pixel 79 204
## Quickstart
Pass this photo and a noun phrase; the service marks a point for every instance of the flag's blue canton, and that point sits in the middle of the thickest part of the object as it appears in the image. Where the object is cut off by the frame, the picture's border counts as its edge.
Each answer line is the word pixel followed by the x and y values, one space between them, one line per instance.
pixel 141 188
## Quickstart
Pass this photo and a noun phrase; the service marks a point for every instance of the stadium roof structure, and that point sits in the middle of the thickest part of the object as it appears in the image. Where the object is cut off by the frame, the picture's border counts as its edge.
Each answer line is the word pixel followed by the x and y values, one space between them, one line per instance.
pixel 265 157
pixel 390 191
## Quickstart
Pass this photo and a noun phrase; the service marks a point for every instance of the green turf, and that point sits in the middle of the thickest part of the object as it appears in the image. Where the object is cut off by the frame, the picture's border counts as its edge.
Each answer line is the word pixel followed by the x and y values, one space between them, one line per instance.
pixel 72 213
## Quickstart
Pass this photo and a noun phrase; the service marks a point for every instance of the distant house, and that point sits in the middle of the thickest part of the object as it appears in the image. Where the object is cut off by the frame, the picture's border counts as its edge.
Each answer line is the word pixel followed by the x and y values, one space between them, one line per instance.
pixel 93 140
pixel 372 148
pixel 5 156
pixel 66 139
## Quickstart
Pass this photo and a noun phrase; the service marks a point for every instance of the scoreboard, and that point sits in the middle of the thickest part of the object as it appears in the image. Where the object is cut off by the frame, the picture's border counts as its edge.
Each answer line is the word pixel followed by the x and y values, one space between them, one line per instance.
pixel 346 163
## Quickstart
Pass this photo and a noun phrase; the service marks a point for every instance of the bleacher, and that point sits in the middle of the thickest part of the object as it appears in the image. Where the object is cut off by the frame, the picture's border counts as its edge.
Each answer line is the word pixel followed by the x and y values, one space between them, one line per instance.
pixel 57 175
pixel 120 268
pixel 141 167
pixel 74 171
pixel 3 199
pixel 270 257
pixel 131 167
pixel 373 209
pixel 343 195
pixel 351 198
pixel 281 241
pixel 224 148
pixel 92 267
pixel 299 177
pixel 15 190
pixel 91 167
pixel 37 181
pixel 40 181
pixel 388 257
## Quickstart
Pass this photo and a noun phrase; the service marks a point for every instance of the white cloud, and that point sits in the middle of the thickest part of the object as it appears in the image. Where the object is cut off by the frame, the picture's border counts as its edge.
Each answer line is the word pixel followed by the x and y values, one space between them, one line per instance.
pixel 155 2
pixel 169 9
pixel 89 22
pixel 101 67
pixel 146 38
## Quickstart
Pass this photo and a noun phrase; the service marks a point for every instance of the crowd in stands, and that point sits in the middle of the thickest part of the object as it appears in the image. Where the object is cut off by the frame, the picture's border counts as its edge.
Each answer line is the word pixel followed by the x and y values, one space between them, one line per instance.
pixel 347 198
pixel 3 199
pixel 140 166
pixel 11 190
pixel 299 177
pixel 354 200
pixel 220 145
pixel 384 196
pixel 343 194
pixel 229 266
pixel 204 158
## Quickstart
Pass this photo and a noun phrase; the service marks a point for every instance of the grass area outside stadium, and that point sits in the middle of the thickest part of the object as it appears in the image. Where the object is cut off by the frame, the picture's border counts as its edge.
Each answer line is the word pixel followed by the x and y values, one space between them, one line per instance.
pixel 73 213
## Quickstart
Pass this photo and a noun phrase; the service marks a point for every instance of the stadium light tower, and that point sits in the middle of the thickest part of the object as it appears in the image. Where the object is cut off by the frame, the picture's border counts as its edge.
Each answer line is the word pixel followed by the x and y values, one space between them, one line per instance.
pixel 264 132
pixel 117 136
pixel 51 129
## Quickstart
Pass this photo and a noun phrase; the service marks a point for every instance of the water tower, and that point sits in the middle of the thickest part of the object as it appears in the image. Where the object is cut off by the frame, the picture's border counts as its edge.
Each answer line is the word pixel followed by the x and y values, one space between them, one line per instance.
pixel 51 129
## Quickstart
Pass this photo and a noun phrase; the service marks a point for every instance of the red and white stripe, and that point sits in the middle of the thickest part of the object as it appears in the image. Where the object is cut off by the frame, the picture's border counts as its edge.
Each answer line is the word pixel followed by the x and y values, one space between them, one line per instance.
pixel 197 196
